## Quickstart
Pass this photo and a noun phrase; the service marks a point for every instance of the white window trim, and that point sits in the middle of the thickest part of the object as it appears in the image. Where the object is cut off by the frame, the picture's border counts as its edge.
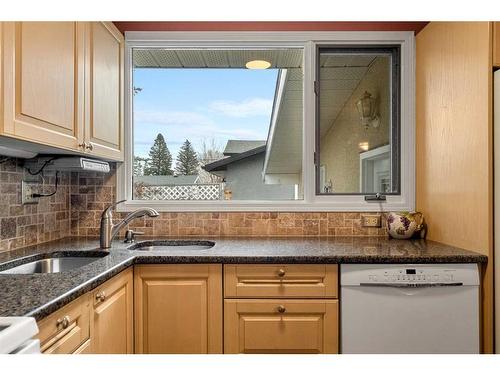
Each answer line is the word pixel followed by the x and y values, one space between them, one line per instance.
pixel 309 41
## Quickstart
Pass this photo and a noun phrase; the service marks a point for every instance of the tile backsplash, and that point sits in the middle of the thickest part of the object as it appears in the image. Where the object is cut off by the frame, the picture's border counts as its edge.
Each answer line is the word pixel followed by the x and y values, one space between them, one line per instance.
pixel 91 193
pixel 81 197
pixel 23 225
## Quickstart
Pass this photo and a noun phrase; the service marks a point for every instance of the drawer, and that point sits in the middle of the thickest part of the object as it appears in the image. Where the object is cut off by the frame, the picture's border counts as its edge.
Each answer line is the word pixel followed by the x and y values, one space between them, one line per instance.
pixel 280 281
pixel 84 348
pixel 280 326
pixel 67 329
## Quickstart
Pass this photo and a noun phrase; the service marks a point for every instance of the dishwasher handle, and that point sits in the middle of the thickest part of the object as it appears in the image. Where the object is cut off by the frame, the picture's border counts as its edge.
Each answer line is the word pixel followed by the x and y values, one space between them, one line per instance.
pixel 407 285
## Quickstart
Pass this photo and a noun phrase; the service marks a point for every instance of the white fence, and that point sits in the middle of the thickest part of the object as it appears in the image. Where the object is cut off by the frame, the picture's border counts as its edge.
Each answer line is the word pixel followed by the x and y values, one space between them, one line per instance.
pixel 203 192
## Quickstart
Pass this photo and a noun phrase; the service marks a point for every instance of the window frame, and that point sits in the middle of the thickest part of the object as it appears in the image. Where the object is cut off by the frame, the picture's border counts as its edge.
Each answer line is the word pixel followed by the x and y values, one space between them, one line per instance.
pixel 396 120
pixel 310 42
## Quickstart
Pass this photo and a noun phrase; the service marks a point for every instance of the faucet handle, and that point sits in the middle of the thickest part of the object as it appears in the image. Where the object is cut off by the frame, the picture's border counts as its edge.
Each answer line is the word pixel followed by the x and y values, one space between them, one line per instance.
pixel 107 211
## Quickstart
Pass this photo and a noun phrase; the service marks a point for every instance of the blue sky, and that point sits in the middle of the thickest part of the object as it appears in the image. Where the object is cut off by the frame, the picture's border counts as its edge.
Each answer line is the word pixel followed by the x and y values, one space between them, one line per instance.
pixel 201 104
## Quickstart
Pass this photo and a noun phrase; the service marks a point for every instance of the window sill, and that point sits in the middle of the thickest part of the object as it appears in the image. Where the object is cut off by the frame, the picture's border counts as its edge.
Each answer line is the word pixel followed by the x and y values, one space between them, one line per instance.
pixel 345 205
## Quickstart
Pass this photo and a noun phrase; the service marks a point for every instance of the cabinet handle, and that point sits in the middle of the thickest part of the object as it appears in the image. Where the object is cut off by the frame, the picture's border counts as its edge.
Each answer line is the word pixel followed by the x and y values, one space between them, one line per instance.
pixel 281 309
pixel 82 145
pixel 100 296
pixel 89 146
pixel 63 322
pixel 281 272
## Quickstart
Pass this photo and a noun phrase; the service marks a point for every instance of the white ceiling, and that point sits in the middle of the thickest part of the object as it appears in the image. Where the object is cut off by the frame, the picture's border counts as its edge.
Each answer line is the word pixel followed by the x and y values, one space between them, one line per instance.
pixel 212 58
pixel 339 77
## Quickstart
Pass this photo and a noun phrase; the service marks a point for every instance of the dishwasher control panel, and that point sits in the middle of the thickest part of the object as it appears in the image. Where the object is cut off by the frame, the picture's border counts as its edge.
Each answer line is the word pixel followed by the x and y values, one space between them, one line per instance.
pixel 356 274
pixel 413 275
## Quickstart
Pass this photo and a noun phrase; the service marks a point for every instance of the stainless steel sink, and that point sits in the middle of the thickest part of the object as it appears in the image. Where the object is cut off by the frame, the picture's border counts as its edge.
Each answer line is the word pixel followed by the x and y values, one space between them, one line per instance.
pixel 166 245
pixel 54 264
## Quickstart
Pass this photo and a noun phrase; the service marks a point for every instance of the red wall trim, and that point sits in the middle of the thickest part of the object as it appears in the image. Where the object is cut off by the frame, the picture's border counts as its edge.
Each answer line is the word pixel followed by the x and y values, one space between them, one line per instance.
pixel 270 26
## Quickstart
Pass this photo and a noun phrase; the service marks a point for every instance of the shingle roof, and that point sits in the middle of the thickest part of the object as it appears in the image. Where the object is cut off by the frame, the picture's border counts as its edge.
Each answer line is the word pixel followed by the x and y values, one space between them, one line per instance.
pixel 221 164
pixel 234 146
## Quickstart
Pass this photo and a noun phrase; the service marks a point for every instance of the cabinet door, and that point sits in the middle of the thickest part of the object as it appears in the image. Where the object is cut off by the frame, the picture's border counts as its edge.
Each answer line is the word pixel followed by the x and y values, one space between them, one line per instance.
pixel 280 326
pixel 104 91
pixel 44 82
pixel 178 309
pixel 112 325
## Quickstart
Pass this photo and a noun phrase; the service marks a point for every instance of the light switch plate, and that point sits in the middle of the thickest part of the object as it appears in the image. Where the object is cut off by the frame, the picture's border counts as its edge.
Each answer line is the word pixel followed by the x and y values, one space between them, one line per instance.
pixel 372 221
pixel 27 190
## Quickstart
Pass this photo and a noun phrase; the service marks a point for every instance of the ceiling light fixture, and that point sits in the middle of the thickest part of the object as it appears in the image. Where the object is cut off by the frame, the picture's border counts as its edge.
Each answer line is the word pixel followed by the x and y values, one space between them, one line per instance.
pixel 258 64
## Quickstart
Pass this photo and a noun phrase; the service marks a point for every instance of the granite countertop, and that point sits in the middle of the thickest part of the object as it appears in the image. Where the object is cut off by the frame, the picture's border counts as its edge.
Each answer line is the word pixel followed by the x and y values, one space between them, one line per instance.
pixel 38 295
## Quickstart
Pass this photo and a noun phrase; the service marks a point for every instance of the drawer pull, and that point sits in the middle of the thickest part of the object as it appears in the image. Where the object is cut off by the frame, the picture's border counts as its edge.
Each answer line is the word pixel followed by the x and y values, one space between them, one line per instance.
pixel 63 322
pixel 281 309
pixel 100 296
pixel 281 272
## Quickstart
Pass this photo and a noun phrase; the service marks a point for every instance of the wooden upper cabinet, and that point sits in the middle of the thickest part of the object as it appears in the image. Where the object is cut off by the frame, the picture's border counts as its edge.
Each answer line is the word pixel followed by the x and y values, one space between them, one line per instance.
pixel 178 308
pixel 112 323
pixel 104 91
pixel 44 82
pixel 496 44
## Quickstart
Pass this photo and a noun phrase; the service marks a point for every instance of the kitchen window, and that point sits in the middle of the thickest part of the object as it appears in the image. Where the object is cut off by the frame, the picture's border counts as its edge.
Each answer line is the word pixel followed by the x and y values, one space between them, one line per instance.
pixel 269 121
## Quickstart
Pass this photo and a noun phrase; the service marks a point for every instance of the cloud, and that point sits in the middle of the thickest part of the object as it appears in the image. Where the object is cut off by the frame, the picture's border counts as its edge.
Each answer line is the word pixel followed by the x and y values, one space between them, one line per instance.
pixel 245 108
pixel 170 118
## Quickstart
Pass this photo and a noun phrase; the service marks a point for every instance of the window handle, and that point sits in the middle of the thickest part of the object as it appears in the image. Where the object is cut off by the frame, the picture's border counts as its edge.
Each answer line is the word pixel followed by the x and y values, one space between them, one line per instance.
pixel 375 198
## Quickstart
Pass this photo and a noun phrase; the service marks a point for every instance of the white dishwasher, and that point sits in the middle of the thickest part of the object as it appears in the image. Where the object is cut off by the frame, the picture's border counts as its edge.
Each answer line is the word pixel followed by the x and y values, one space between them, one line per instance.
pixel 409 308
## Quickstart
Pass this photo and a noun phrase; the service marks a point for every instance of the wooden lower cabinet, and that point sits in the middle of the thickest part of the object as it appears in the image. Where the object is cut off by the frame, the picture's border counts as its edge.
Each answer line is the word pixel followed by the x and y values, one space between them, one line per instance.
pixel 280 326
pixel 178 308
pixel 85 348
pixel 112 325
pixel 67 329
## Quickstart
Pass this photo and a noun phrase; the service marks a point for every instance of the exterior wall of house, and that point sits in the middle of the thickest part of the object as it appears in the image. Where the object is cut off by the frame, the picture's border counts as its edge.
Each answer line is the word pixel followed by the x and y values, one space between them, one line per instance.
pixel 244 179
pixel 339 148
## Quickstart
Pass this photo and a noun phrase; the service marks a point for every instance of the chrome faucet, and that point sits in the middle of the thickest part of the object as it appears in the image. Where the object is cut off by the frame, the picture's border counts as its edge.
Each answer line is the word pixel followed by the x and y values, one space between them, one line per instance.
pixel 110 230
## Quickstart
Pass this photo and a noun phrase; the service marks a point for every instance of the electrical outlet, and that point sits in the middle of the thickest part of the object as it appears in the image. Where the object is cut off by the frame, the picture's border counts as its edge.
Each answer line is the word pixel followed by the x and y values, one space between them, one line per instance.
pixel 373 221
pixel 28 188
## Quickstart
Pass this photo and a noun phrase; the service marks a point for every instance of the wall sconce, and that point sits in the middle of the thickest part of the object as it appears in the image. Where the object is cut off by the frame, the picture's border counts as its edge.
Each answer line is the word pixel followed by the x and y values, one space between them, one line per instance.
pixel 367 108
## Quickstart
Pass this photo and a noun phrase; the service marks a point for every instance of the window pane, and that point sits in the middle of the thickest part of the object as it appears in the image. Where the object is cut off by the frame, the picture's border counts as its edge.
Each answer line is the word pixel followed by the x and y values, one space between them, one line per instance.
pixel 358 121
pixel 207 127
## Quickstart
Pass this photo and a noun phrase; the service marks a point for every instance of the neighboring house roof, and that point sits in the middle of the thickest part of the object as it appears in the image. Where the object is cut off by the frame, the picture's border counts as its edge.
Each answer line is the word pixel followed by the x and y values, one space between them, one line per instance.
pixel 234 146
pixel 221 164
pixel 166 180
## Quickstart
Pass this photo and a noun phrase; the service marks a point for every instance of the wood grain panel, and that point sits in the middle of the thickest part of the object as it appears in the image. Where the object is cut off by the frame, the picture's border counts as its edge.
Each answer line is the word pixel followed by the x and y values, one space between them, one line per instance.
pixel 496 44
pixel 454 140
pixel 257 326
pixel 178 309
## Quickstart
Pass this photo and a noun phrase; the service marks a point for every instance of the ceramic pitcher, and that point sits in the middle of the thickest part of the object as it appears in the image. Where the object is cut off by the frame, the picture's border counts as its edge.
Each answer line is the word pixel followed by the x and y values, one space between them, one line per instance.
pixel 404 225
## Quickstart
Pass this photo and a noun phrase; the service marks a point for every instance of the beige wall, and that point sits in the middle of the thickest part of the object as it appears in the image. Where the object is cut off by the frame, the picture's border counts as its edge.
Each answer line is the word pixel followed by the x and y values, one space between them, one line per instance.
pixel 454 141
pixel 340 146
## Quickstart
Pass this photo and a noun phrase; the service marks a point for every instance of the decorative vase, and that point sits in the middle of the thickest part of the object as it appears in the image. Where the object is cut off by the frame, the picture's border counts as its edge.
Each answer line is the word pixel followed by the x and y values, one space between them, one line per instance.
pixel 404 225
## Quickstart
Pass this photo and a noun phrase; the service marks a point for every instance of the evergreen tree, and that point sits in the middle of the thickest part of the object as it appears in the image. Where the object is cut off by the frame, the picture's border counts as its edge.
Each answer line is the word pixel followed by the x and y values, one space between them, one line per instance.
pixel 187 160
pixel 139 165
pixel 160 159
